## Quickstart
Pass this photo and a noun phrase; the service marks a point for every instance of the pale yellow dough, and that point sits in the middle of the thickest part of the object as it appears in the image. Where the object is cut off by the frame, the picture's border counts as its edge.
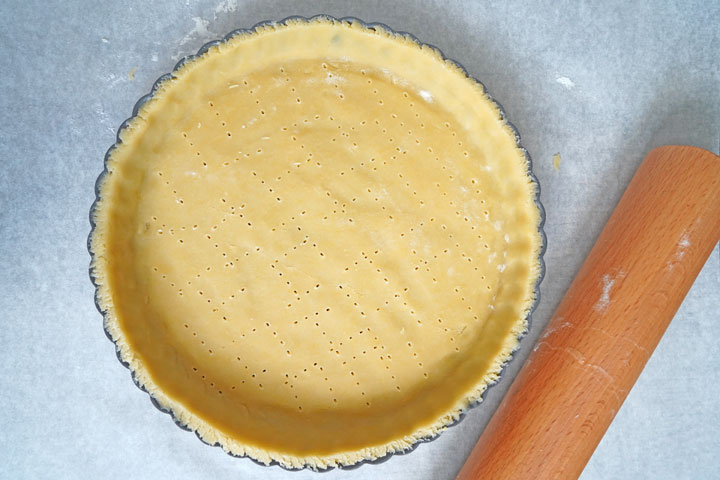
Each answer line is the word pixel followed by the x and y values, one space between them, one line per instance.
pixel 317 244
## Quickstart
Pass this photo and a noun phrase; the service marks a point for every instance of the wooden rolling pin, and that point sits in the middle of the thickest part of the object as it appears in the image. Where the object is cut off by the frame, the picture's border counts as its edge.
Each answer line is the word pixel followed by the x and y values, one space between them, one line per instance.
pixel 610 321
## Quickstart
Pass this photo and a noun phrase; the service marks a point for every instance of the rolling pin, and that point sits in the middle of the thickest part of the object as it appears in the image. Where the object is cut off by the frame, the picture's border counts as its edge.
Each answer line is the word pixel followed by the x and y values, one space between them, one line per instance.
pixel 608 324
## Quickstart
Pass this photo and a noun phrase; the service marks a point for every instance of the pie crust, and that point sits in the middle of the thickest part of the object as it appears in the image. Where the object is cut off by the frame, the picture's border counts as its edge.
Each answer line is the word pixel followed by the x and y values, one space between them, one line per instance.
pixel 316 243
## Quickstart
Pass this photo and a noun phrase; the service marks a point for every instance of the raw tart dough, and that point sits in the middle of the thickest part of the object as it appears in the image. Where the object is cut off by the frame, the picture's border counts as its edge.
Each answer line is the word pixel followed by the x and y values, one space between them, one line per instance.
pixel 317 243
